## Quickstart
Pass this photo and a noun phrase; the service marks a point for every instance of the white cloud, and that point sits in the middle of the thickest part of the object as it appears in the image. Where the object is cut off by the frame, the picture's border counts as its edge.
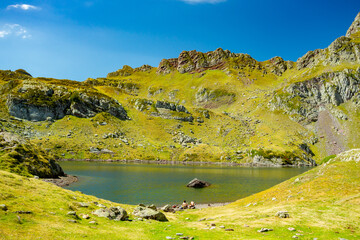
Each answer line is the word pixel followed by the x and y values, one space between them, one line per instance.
pixel 24 7
pixel 203 1
pixel 15 30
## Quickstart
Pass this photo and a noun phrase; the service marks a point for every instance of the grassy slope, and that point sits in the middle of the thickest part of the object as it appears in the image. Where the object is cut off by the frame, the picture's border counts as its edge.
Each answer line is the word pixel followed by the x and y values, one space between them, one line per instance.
pixel 323 203
pixel 222 134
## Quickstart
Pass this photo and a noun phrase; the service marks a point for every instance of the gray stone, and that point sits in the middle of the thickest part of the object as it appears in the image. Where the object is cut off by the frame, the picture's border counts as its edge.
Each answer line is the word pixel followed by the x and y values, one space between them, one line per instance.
pixel 3 207
pixel 167 208
pixel 72 213
pixel 282 214
pixel 148 213
pixel 196 183
pixel 113 213
pixel 82 204
pixel 72 220
pixel 265 230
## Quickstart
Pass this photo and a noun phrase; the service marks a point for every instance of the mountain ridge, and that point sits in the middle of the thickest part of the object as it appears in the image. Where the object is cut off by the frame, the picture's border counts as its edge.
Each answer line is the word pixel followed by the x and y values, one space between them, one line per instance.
pixel 214 106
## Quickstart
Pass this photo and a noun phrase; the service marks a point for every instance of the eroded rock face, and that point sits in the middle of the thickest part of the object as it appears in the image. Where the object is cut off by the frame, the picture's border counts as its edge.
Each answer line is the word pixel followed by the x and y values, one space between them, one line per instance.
pixel 355 26
pixel 343 49
pixel 305 98
pixel 36 103
pixel 191 61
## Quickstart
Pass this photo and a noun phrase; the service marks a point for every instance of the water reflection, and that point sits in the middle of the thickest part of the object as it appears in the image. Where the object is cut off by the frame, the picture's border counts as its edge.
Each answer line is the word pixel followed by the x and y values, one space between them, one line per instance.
pixel 162 184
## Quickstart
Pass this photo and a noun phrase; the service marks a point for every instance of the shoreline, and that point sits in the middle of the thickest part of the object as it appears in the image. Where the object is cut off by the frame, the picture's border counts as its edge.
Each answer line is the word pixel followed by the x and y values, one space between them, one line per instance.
pixel 62 181
pixel 184 163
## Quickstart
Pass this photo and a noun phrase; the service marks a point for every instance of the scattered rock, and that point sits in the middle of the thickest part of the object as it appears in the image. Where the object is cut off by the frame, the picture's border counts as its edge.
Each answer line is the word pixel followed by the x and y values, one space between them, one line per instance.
pixel 168 237
pixel 71 213
pixel 85 216
pixel 72 220
pixel 229 230
pixel 291 229
pixel 113 213
pixel 24 212
pixel 179 234
pixel 93 222
pixel 3 207
pixel 265 230
pixel 282 214
pixel 82 204
pixel 167 208
pixel 196 183
pixel 202 219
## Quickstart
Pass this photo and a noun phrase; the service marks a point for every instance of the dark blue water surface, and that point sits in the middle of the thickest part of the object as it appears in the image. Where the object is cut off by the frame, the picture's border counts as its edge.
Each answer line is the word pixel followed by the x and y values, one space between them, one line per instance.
pixel 163 184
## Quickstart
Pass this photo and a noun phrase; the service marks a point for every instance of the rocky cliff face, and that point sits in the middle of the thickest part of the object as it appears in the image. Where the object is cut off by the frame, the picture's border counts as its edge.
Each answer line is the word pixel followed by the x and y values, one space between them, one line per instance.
pixel 343 49
pixel 355 26
pixel 304 99
pixel 38 102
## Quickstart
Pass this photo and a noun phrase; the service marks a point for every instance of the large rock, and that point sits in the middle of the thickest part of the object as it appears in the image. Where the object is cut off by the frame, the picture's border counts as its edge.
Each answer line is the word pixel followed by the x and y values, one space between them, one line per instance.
pixel 196 183
pixel 149 213
pixel 112 213
pixel 38 102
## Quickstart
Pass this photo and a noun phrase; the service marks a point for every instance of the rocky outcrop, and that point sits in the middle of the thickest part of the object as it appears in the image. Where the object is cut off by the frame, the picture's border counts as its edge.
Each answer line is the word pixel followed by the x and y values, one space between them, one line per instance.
pixel 343 49
pixel 23 158
pixel 196 183
pixel 212 98
pixel 303 99
pixel 278 66
pixel 163 109
pixel 355 26
pixel 38 103
pixel 127 71
pixel 194 61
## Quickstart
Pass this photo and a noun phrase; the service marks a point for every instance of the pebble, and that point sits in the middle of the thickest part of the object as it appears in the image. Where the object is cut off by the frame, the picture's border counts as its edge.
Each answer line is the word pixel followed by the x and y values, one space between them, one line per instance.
pixel 168 237
pixel 212 224
pixel 202 219
pixel 179 234
pixel 229 230
pixel 86 216
pixel 273 199
pixel 295 236
pixel 72 213
pixel 265 230
pixel 72 220
pixel 184 237
pixel 93 222
pixel 245 225
pixel 291 229
pixel 3 207
pixel 187 218
pixel 212 228
pixel 221 226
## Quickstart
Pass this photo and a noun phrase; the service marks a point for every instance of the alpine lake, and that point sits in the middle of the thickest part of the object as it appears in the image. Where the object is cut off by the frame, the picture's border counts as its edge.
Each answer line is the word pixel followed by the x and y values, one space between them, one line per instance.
pixel 166 184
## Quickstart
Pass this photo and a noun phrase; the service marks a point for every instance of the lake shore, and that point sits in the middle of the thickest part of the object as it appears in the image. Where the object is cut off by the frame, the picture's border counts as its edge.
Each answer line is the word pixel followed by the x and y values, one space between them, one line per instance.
pixel 62 181
pixel 185 163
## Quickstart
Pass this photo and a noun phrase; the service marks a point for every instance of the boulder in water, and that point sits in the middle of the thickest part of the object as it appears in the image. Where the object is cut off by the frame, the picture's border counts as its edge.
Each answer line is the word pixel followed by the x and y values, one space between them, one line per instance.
pixel 196 183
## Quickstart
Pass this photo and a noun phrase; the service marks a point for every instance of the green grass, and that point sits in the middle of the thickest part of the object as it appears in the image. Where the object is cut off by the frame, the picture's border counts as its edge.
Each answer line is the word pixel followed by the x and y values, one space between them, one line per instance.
pixel 324 204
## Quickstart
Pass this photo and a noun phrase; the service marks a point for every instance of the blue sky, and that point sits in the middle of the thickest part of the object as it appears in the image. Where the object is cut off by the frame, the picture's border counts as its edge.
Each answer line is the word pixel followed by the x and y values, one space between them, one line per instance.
pixel 79 39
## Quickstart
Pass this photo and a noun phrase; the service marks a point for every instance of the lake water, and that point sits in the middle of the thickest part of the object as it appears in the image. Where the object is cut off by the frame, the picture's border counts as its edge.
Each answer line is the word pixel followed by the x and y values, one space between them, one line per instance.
pixel 166 184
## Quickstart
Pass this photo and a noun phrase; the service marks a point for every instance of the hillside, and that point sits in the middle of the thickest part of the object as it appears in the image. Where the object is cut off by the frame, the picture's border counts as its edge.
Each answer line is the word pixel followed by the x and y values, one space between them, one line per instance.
pixel 323 203
pixel 214 106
